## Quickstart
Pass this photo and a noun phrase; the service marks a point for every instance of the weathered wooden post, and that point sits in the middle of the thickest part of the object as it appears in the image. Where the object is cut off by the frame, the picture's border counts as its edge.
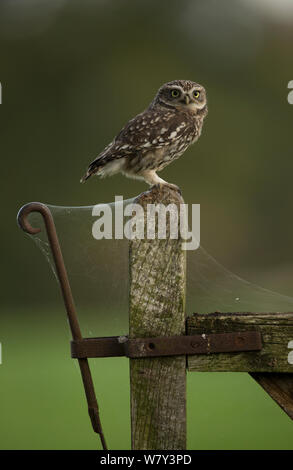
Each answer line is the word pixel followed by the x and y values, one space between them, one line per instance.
pixel 157 308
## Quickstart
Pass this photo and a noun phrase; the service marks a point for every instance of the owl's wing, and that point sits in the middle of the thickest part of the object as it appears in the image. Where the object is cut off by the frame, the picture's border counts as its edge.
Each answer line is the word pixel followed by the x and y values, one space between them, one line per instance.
pixel 153 129
pixel 148 131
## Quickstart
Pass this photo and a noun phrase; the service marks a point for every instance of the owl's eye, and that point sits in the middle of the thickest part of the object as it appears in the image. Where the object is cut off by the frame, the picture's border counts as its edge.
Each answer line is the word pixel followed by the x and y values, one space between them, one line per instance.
pixel 175 93
pixel 196 94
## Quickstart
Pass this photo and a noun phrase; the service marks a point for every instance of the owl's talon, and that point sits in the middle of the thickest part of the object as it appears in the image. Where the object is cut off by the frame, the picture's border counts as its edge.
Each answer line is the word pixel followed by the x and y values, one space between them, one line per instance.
pixel 174 187
pixel 157 186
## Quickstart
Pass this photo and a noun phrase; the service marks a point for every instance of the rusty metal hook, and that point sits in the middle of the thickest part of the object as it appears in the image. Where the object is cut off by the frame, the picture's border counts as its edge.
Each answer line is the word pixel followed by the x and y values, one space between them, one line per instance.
pixel 23 222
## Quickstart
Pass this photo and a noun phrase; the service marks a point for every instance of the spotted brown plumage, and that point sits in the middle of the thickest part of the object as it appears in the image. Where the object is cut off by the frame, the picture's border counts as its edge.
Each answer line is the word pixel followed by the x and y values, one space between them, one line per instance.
pixel 157 136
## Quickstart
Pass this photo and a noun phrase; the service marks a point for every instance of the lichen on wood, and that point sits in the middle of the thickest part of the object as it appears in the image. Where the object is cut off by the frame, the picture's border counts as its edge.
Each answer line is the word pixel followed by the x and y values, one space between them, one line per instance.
pixel 157 308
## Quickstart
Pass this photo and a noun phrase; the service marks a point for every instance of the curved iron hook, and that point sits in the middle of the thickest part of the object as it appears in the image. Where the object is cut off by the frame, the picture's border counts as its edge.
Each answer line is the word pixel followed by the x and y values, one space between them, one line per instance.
pixel 23 222
pixel 22 216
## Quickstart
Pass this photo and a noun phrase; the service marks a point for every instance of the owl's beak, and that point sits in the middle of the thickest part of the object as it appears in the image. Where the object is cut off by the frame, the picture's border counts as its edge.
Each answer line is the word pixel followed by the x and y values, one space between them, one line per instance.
pixel 187 99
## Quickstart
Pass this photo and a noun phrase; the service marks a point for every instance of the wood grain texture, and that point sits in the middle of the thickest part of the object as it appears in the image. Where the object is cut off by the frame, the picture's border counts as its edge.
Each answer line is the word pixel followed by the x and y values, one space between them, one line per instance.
pixel 157 308
pixel 279 387
pixel 276 330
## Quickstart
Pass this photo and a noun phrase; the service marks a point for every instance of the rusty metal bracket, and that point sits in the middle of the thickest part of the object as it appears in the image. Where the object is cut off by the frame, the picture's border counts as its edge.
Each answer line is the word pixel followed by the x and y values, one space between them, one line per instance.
pixel 166 345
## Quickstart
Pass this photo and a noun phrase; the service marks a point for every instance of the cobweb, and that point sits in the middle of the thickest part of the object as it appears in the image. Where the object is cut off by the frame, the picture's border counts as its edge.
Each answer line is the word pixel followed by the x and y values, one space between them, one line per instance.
pixel 98 273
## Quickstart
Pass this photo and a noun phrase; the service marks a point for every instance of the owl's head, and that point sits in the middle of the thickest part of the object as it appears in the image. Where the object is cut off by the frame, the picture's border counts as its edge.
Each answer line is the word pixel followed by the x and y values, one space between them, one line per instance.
pixel 182 94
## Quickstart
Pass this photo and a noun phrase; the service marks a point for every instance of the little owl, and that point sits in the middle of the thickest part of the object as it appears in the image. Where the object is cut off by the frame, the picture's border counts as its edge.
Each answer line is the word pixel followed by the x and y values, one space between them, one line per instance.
pixel 157 136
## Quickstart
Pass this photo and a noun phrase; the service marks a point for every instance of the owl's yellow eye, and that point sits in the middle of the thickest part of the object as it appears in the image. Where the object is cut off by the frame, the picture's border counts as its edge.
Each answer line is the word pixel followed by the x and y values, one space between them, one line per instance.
pixel 196 93
pixel 175 93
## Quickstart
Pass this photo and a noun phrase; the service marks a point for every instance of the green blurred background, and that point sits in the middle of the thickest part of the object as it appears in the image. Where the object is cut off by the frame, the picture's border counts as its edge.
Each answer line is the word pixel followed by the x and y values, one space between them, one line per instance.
pixel 72 74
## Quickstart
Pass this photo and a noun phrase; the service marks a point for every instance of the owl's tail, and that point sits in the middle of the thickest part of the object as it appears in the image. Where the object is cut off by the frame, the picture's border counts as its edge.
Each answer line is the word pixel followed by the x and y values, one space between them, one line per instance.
pixel 93 169
pixel 85 177
pixel 104 165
